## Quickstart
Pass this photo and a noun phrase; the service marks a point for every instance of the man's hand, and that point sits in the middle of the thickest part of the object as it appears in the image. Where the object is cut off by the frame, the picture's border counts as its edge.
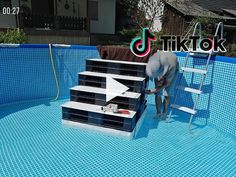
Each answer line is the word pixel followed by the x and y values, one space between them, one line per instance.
pixel 150 91
pixel 161 82
pixel 160 85
pixel 147 92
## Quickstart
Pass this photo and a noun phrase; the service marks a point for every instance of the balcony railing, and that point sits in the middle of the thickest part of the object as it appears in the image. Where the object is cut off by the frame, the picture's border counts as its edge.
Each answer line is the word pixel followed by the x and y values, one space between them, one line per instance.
pixel 73 23
pixel 55 22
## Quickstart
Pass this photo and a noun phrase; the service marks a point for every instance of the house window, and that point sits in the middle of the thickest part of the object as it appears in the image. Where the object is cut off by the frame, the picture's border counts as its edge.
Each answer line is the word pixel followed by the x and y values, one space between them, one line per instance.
pixel 4 3
pixel 93 9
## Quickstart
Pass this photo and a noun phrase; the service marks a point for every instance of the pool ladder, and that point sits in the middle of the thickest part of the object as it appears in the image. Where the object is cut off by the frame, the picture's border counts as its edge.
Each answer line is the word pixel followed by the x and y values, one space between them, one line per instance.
pixel 203 73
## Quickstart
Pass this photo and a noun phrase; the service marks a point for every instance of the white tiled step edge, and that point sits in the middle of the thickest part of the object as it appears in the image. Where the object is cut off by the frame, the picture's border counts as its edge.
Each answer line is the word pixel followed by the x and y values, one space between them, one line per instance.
pixel 103 91
pixel 95 109
pixel 116 61
pixel 115 76
pixel 188 89
pixel 184 109
pixel 199 71
pixel 105 130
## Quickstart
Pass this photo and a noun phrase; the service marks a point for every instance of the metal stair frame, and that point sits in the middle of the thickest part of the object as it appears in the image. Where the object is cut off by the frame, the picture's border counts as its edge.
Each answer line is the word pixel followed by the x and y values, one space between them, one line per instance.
pixel 193 111
pixel 189 28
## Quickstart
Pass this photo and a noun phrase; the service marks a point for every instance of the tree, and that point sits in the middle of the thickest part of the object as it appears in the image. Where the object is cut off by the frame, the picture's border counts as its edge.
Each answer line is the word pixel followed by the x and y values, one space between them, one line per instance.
pixel 143 12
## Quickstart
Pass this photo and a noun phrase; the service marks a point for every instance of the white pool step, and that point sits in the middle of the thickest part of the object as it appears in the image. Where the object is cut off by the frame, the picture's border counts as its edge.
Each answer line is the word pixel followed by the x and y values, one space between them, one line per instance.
pixel 89 97
pixel 103 91
pixel 116 61
pixel 199 71
pixel 115 76
pixel 95 109
pixel 188 89
pixel 184 109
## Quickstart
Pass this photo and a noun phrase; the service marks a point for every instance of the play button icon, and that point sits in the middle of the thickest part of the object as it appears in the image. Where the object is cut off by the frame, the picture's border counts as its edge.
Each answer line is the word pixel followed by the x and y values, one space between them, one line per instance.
pixel 114 88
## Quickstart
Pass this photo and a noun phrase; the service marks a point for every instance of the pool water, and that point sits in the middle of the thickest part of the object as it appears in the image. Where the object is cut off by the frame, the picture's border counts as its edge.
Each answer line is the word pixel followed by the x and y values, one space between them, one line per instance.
pixel 34 143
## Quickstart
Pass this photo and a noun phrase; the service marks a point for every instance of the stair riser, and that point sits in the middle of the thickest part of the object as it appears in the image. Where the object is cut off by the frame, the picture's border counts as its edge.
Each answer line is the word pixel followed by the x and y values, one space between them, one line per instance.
pixel 135 86
pixel 119 123
pixel 119 66
pixel 132 107
pixel 98 99
pixel 118 71
pixel 101 96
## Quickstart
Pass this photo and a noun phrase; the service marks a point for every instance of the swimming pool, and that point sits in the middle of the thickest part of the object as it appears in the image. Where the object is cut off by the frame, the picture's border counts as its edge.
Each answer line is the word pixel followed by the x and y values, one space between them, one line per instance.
pixel 34 143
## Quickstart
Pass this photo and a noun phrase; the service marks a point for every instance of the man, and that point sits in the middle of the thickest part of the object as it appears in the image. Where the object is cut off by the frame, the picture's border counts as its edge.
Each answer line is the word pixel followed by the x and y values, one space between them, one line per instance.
pixel 163 68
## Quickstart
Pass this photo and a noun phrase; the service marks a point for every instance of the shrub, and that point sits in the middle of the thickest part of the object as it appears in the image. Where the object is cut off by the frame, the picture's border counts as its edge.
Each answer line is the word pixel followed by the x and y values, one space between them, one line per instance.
pixel 128 34
pixel 13 36
pixel 208 25
pixel 233 48
pixel 1 37
pixel 232 51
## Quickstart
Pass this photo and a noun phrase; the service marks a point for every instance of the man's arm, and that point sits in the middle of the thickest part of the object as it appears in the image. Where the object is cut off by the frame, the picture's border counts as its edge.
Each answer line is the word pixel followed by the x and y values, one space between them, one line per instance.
pixel 155 90
pixel 163 83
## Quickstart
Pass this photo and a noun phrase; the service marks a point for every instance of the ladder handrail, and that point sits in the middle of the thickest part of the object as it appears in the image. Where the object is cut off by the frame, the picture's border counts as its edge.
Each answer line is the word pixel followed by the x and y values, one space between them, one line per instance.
pixel 198 27
pixel 189 28
pixel 198 24
pixel 220 26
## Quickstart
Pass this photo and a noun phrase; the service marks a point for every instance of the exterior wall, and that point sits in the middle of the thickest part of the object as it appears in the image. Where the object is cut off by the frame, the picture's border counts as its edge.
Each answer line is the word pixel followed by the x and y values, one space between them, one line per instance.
pixel 80 8
pixel 173 23
pixel 9 21
pixel 104 25
pixel 106 18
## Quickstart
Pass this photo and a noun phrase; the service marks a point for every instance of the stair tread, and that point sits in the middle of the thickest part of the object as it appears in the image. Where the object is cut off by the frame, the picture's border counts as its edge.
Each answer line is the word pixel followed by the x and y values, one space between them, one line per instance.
pixel 200 71
pixel 183 108
pixel 95 109
pixel 115 76
pixel 117 61
pixel 103 91
pixel 189 89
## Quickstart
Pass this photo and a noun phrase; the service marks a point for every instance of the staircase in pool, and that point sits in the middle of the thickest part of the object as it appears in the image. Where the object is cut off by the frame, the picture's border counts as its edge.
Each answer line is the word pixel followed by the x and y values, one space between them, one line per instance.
pixel 87 100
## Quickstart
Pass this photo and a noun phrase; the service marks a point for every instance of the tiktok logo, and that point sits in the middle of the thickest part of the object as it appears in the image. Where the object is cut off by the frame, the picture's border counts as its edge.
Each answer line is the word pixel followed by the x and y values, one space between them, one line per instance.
pixel 142 46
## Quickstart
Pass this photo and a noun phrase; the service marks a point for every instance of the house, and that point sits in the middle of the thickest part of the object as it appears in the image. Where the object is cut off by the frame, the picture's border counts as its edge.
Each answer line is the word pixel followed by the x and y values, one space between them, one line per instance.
pixel 178 15
pixel 60 21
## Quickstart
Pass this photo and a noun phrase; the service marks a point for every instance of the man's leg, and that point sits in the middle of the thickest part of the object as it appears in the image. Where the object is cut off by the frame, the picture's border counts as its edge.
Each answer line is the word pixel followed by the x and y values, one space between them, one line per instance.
pixel 158 104
pixel 158 100
pixel 165 107
pixel 168 95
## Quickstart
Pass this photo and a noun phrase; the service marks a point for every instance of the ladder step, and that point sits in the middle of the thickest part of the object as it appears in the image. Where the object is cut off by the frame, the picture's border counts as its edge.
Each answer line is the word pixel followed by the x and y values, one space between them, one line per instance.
pixel 198 54
pixel 184 109
pixel 188 89
pixel 199 71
